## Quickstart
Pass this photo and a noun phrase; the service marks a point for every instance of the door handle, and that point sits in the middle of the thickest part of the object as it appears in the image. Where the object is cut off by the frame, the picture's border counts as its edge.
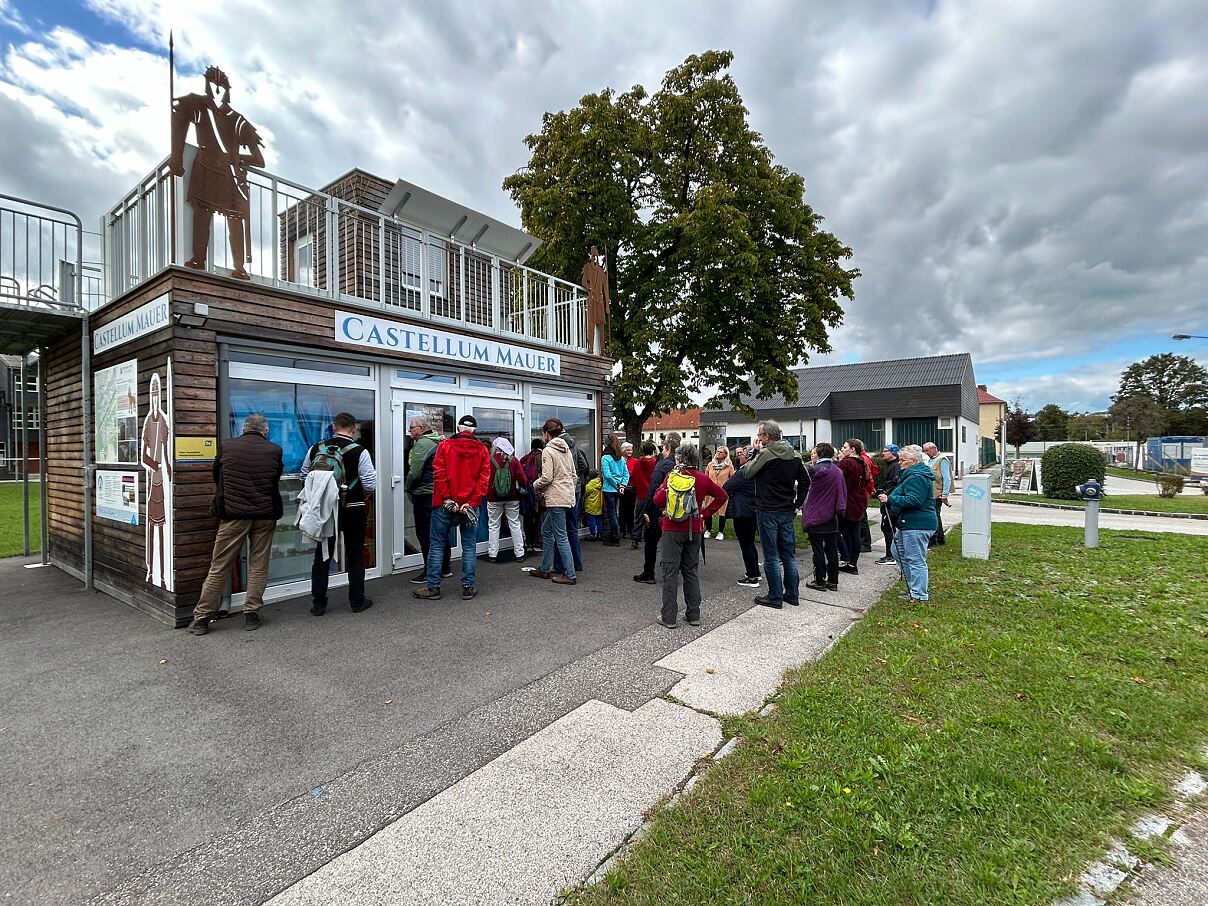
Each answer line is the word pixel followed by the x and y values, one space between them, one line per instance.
pixel 395 479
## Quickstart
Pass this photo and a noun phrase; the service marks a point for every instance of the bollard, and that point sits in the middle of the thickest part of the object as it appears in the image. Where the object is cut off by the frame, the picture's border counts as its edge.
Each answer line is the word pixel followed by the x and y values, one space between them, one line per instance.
pixel 975 517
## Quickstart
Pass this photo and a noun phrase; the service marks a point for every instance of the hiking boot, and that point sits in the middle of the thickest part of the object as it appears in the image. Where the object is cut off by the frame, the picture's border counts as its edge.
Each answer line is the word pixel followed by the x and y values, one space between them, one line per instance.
pixel 645 580
pixel 200 627
pixel 468 592
pixel 252 620
pixel 793 602
pixel 539 574
pixel 363 606
pixel 563 579
pixel 428 594
pixel 768 602
pixel 887 561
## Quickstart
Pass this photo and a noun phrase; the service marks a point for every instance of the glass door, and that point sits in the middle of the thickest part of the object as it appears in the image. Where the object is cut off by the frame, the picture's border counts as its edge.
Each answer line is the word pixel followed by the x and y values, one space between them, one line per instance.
pixel 444 411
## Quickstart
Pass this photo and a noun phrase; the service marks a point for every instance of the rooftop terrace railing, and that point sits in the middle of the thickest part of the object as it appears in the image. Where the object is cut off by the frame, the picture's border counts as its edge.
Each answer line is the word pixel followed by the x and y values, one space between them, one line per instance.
pixel 315 243
pixel 41 252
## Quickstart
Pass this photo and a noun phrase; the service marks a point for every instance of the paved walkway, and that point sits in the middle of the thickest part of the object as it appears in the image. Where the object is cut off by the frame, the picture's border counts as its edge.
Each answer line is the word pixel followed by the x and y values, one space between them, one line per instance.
pixel 1186 882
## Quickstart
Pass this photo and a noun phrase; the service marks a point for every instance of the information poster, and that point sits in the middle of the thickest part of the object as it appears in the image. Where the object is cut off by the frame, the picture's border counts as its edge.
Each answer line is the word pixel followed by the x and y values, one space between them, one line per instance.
pixel 117 496
pixel 115 409
pixel 1020 476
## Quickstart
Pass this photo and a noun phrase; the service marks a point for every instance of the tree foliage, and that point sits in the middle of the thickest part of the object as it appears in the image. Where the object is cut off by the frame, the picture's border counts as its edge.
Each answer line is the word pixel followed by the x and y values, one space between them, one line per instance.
pixel 1171 381
pixel 1087 426
pixel 1052 422
pixel 1018 428
pixel 1064 467
pixel 720 274
pixel 1140 415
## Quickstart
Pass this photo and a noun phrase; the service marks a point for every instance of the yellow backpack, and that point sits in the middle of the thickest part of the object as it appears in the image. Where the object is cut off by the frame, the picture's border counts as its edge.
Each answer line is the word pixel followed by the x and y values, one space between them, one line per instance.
pixel 681 498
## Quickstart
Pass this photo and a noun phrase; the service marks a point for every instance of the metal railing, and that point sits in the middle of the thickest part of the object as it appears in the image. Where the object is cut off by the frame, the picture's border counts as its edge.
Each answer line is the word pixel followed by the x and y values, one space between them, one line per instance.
pixel 316 243
pixel 41 253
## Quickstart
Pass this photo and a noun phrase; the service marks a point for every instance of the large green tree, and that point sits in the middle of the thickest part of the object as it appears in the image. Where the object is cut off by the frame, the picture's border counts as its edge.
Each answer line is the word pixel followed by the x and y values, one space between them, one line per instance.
pixel 1052 422
pixel 1016 429
pixel 720 274
pixel 1171 381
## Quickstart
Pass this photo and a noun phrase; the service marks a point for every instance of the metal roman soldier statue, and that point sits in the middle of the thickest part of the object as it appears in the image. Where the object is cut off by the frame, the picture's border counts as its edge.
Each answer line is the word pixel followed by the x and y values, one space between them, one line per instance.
pixel 218 178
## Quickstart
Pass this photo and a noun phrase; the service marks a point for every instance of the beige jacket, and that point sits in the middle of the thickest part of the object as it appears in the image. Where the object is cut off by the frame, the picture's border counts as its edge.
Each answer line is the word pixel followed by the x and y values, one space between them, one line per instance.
pixel 720 475
pixel 557 481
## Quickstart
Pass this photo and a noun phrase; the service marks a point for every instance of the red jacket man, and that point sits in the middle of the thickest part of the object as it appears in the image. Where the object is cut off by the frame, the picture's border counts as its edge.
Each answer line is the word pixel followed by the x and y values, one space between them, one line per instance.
pixel 461 470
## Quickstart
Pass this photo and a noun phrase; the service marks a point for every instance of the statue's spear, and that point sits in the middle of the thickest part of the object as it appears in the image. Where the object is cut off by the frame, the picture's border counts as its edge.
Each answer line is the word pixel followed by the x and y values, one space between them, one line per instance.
pixel 171 179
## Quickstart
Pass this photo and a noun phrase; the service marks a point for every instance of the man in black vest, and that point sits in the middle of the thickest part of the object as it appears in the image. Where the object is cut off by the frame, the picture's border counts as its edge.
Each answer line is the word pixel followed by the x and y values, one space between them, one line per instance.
pixel 247 501
pixel 361 479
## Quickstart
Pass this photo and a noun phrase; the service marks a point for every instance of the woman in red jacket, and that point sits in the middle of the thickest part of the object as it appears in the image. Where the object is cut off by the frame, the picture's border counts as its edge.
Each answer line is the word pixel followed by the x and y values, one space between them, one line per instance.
pixel 856 477
pixel 640 470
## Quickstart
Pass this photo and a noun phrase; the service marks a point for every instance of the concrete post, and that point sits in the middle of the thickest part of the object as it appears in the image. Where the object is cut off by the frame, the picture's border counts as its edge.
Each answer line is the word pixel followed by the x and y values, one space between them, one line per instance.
pixel 1092 523
pixel 975 517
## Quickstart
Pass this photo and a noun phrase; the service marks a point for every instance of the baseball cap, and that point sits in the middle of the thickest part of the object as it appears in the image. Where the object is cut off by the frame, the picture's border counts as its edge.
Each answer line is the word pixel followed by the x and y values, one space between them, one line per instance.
pixel 467 421
pixel 892 448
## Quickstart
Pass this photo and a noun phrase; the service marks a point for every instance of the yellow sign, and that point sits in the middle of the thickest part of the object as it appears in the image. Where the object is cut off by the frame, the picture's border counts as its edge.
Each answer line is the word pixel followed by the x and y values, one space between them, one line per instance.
pixel 196 449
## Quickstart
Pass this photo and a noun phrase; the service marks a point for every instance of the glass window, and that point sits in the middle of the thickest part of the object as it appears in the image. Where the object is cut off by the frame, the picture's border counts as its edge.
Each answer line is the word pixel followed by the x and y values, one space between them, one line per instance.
pixel 281 361
pixel 424 376
pixel 492 385
pixel 436 267
pixel 299 415
pixel 304 261
pixel 579 423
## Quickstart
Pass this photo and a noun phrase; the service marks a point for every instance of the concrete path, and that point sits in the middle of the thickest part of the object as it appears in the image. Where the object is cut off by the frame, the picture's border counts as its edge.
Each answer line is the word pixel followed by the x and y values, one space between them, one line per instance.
pixel 1116 485
pixel 1186 882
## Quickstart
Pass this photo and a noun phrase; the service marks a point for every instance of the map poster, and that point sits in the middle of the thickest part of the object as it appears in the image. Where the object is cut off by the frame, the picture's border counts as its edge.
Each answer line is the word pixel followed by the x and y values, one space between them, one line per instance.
pixel 117 496
pixel 115 411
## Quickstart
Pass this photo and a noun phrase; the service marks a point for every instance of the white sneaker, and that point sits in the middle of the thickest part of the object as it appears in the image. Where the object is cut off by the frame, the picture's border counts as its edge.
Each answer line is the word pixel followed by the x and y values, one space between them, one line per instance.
pixel 721 537
pixel 708 536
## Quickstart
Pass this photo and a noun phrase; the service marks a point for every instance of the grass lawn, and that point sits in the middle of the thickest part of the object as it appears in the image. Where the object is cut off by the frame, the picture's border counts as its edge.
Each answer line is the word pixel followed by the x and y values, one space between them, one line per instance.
pixel 11 519
pixel 1151 502
pixel 981 748
pixel 1130 473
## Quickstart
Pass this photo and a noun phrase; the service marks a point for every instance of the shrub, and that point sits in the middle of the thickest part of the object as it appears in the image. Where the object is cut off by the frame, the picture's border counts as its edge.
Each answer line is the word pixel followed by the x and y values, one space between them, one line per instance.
pixel 1169 485
pixel 878 461
pixel 1064 467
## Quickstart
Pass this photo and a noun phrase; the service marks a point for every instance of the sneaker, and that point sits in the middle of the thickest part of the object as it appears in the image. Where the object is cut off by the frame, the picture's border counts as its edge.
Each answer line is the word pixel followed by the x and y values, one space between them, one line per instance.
pixel 748 582
pixel 794 602
pixel 887 561
pixel 816 586
pixel 363 606
pixel 610 543
pixel 721 536
pixel 427 594
pixel 539 574
pixel 905 596
pixel 419 579
pixel 447 573
pixel 708 535
pixel 832 586
pixel 645 580
pixel 492 558
pixel 866 549
pixel 849 568
pixel 670 625
pixel 633 545
pixel 768 602
pixel 200 627
pixel 468 592
pixel 563 579
pixel 252 620
pixel 693 621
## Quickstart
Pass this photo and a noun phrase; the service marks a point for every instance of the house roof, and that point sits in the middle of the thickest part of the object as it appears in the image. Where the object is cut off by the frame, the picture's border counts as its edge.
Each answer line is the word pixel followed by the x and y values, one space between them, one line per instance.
pixel 674 421
pixel 985 398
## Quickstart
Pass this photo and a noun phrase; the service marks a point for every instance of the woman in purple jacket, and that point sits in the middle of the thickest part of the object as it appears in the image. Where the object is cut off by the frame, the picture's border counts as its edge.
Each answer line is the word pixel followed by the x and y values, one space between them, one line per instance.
pixel 820 518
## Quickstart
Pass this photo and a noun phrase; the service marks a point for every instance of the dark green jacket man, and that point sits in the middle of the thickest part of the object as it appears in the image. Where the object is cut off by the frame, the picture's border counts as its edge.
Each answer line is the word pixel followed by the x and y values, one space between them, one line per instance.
pixel 419 479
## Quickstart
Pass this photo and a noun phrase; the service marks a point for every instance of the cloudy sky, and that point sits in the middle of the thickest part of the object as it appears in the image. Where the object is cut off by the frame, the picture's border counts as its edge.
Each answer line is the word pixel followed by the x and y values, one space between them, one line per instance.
pixel 1025 181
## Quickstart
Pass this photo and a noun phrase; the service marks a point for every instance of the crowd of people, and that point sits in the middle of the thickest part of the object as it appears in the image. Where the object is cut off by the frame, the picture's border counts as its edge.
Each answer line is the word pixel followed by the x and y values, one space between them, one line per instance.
pixel 661 499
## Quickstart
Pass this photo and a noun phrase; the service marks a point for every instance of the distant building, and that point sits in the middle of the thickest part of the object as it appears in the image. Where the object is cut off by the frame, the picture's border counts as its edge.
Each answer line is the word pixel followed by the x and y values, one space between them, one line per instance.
pixel 686 422
pixel 900 401
pixel 991 411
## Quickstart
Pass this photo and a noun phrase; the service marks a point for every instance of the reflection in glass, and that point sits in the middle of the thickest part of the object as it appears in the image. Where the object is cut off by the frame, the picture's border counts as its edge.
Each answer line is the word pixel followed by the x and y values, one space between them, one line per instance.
pixel 579 423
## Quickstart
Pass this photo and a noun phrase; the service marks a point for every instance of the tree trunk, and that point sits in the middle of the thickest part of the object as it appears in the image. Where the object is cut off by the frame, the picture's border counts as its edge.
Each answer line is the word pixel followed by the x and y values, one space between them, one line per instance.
pixel 633 429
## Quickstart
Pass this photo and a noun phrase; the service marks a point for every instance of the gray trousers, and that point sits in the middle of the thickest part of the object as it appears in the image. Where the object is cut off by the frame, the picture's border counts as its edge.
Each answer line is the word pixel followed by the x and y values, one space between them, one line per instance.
pixel 681 557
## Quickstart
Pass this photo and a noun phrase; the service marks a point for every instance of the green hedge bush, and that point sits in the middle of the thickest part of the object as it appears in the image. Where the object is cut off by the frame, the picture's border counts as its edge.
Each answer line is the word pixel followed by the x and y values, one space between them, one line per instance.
pixel 1064 467
pixel 1169 485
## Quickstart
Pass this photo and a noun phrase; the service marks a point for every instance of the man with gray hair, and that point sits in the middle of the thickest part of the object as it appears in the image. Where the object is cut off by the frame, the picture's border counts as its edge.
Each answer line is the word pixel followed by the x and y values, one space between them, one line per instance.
pixel 418 484
pixel 781 483
pixel 247 502
pixel 648 513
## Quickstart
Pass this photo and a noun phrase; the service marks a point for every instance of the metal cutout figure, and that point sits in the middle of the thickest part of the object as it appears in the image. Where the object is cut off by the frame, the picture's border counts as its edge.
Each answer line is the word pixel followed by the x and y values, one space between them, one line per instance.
pixel 218 178
pixel 156 455
pixel 595 281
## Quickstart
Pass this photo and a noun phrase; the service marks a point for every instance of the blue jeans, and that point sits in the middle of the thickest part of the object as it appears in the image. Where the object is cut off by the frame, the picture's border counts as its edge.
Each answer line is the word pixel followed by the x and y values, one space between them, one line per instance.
pixel 778 535
pixel 444 524
pixel 595 524
pixel 912 557
pixel 572 536
pixel 553 537
pixel 611 502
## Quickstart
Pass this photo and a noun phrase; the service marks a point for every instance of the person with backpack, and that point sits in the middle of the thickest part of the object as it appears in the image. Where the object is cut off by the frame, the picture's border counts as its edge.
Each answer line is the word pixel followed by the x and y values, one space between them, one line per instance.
pixel 355 477
pixel 574 515
pixel 530 504
pixel 615 475
pixel 682 523
pixel 503 497
pixel 781 483
pixel 855 475
pixel 461 472
pixel 593 505
pixel 650 513
pixel 418 484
